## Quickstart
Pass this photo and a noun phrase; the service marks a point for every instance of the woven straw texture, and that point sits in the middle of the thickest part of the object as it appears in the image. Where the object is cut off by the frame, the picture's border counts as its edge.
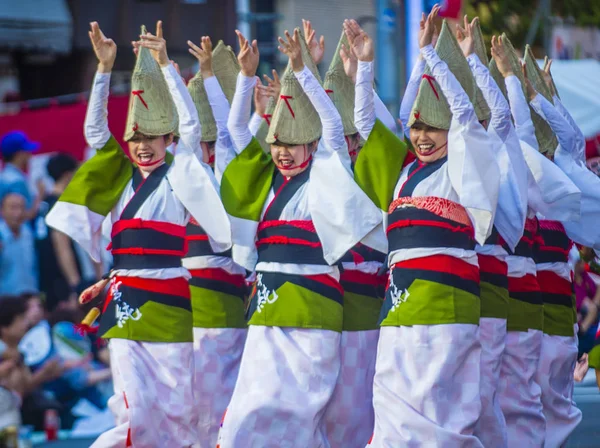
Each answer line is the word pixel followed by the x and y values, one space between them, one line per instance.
pixel 340 88
pixel 295 121
pixel 226 68
pixel 481 107
pixel 263 129
pixel 431 106
pixel 151 108
pixel 207 120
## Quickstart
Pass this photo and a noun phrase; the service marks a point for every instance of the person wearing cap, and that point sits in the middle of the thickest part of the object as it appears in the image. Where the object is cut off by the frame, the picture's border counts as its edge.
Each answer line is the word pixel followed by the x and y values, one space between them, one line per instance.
pixel 427 373
pixel 217 285
pixel 147 314
pixel 16 150
pixel 509 225
pixel 294 214
pixel 554 196
pixel 559 344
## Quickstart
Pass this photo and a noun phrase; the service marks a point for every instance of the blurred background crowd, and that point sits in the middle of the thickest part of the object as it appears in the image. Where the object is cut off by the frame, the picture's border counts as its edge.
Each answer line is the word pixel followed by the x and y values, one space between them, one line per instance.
pixel 46 67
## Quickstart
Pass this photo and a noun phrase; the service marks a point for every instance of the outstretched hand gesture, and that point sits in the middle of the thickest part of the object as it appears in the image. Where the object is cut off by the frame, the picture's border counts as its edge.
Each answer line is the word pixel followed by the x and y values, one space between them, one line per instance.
pixel 360 42
pixel 157 45
pixel 104 48
pixel 531 93
pixel 204 55
pixel 427 27
pixel 350 62
pixel 500 55
pixel 464 35
pixel 292 49
pixel 248 57
pixel 316 49
pixel 548 76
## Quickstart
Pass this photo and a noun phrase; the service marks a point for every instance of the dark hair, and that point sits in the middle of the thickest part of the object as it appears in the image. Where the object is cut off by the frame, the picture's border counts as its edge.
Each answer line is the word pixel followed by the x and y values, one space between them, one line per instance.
pixel 5 194
pixel 10 157
pixel 10 309
pixel 59 165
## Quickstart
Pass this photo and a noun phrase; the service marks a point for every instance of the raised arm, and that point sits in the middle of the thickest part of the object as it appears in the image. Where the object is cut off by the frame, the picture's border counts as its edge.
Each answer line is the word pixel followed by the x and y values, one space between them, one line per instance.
pixel 254 123
pixel 579 150
pixel 560 126
pixel 410 94
pixel 520 111
pixel 96 120
pixel 383 114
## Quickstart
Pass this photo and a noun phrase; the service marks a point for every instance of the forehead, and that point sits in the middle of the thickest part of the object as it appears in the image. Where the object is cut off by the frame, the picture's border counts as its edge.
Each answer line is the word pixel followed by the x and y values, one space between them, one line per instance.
pixel 12 200
pixel 139 137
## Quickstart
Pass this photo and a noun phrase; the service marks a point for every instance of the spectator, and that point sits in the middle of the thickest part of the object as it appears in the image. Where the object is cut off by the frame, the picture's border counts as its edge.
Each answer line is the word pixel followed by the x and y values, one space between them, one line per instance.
pixel 18 265
pixel 62 267
pixel 16 151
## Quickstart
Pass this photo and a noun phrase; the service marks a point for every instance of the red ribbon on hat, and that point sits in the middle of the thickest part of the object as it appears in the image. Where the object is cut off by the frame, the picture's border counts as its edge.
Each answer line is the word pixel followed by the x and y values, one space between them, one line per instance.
pixel 286 98
pixel 138 93
pixel 430 80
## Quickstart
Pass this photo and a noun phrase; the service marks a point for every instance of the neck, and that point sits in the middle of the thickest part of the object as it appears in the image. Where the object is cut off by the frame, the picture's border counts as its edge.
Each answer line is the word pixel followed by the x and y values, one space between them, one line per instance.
pixel 146 170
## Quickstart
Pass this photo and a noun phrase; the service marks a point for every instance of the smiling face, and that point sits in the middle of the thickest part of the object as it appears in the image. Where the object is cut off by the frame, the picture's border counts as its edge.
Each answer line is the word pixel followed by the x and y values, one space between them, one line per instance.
pixel 430 143
pixel 290 159
pixel 148 152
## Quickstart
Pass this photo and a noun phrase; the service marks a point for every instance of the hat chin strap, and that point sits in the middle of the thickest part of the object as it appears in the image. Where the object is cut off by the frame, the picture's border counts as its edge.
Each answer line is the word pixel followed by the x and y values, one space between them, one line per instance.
pixel 302 165
pixel 432 152
pixel 156 162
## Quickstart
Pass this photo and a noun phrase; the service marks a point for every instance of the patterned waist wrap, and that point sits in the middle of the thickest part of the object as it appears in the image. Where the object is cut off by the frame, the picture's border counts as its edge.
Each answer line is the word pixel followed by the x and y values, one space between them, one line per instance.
pixel 437 289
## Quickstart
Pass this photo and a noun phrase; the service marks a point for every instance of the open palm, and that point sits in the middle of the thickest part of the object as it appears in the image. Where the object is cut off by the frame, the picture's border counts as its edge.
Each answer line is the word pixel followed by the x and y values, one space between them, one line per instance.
pixel 360 42
pixel 104 48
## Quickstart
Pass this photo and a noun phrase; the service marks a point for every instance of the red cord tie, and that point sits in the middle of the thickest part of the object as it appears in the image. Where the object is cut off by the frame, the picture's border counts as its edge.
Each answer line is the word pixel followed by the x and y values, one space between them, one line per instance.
pixel 286 98
pixel 430 79
pixel 138 93
pixel 267 118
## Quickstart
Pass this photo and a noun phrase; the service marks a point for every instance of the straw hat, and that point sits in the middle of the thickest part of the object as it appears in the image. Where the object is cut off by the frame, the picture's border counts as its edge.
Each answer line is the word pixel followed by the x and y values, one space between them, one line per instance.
pixel 497 76
pixel 481 107
pixel 263 129
pixel 547 141
pixel 340 88
pixel 226 68
pixel 295 121
pixel 207 120
pixel 151 108
pixel 431 106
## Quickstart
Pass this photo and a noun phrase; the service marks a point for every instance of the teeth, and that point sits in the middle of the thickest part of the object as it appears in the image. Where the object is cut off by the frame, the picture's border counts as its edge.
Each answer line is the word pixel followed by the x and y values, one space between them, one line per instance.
pixel 425 147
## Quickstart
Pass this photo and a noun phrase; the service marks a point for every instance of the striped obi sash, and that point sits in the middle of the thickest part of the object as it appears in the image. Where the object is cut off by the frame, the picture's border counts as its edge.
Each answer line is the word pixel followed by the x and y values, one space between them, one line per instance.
pixel 493 274
pixel 300 301
pixel 495 239
pixel 437 289
pixel 144 244
pixel 198 244
pixel 529 240
pixel 554 245
pixel 150 310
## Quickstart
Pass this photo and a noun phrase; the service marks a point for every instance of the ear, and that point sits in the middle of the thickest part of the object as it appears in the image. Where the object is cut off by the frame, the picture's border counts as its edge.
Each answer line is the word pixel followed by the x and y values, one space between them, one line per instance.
pixel 168 139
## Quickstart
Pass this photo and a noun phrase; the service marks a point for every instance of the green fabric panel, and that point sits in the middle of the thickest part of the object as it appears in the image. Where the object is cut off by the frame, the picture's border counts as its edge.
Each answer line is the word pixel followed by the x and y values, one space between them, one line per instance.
pixel 169 158
pixel 299 307
pixel 574 308
pixel 215 309
pixel 379 164
pixel 431 303
pixel 523 316
pixel 594 358
pixel 159 323
pixel 360 312
pixel 246 182
pixel 558 320
pixel 494 301
pixel 99 182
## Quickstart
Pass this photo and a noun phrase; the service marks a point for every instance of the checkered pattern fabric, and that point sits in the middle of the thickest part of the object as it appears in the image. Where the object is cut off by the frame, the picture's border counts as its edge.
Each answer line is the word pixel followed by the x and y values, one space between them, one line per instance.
pixel 286 379
pixel 154 401
pixel 217 356
pixel 519 393
pixel 491 427
pixel 555 377
pixel 426 389
pixel 349 415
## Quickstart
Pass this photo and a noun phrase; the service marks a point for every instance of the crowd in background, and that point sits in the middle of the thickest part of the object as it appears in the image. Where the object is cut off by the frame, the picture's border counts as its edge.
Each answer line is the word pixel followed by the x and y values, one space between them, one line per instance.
pixel 46 363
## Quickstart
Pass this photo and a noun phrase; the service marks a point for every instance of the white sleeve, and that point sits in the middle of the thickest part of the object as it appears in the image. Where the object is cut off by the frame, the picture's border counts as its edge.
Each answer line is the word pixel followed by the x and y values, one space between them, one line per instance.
pixel 190 131
pixel 218 104
pixel 559 125
pixel 579 152
pixel 240 111
pixel 410 94
pixel 333 129
pixel 520 111
pixel 500 121
pixel 383 114
pixel 255 123
pixel 364 106
pixel 96 119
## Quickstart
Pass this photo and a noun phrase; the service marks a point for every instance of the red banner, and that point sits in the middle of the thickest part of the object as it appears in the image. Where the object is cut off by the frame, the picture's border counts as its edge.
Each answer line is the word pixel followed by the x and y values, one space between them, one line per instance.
pixel 59 128
pixel 451 9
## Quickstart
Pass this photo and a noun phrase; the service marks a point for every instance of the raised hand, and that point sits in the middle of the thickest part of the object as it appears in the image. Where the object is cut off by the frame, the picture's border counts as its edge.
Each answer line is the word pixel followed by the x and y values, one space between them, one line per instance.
pixel 273 85
pixel 248 57
pixel 261 97
pixel 360 42
pixel 500 55
pixel 292 49
pixel 531 93
pixel 427 27
pixel 157 45
pixel 548 76
pixel 350 62
pixel 104 48
pixel 316 49
pixel 464 35
pixel 204 55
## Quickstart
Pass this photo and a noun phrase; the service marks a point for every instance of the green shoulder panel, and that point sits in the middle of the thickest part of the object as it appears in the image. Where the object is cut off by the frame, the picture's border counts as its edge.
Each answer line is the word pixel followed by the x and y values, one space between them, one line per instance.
pixel 99 182
pixel 379 164
pixel 246 182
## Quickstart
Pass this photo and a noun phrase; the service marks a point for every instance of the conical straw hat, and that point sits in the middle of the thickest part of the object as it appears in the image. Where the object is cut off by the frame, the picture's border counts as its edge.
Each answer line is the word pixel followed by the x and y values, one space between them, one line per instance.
pixel 307 58
pixel 295 121
pixel 151 108
pixel 497 77
pixel 552 79
pixel 207 120
pixel 226 68
pixel 431 106
pixel 263 129
pixel 340 88
pixel 547 141
pixel 481 107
